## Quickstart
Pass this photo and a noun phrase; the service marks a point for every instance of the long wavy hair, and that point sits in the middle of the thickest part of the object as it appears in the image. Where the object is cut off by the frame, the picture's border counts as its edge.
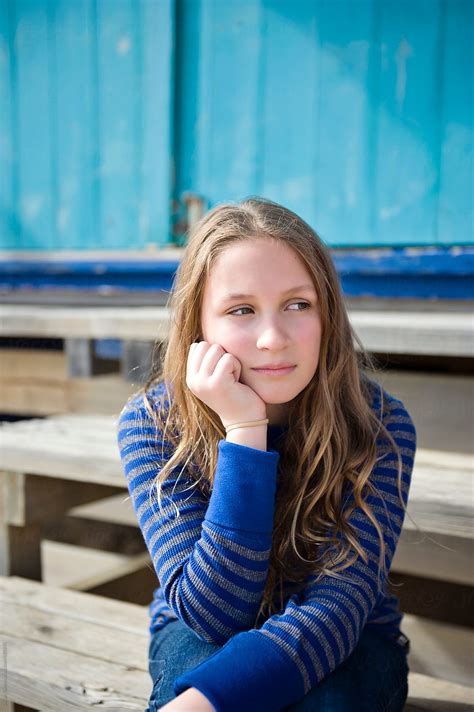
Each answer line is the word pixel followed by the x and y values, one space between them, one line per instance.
pixel 329 449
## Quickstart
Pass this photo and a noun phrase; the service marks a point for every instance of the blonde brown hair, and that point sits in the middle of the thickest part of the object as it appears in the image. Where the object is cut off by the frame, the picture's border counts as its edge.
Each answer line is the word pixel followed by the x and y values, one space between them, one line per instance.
pixel 329 448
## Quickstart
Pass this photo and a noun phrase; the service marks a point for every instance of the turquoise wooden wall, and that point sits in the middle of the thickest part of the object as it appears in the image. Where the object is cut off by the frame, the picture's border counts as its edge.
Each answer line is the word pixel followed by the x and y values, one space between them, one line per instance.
pixel 355 113
pixel 86 134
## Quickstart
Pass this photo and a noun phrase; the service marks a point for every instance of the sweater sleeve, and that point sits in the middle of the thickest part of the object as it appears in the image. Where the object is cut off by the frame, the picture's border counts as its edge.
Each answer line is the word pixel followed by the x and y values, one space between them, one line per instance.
pixel 211 556
pixel 319 627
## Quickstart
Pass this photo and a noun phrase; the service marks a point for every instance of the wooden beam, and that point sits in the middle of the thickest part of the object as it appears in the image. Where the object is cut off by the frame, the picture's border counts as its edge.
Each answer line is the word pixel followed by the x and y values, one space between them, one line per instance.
pixel 93 534
pixel 35 498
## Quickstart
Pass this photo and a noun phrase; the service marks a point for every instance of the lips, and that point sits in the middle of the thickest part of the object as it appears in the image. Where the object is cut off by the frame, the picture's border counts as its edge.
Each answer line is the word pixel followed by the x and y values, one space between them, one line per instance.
pixel 274 371
pixel 273 366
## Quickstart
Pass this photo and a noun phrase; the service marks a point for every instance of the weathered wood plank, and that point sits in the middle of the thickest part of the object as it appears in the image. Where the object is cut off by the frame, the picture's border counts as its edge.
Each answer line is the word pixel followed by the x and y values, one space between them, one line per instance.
pixel 436 334
pixel 65 650
pixel 79 606
pixel 81 448
pixel 441 493
pixel 434 555
pixel 448 428
pixel 28 363
pixel 100 395
pixel 48 678
pixel 84 638
pixel 129 323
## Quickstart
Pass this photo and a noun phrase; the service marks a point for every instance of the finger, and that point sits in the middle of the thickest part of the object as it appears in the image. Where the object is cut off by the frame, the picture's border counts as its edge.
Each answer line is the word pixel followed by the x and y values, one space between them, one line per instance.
pixel 196 354
pixel 228 365
pixel 210 360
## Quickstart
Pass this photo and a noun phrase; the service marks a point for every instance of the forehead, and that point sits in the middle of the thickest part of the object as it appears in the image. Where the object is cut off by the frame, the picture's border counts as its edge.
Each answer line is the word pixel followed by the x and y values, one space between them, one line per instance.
pixel 257 262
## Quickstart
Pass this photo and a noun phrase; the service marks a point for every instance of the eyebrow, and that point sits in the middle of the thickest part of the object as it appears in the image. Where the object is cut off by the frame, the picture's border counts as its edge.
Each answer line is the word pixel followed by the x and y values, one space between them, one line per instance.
pixel 300 288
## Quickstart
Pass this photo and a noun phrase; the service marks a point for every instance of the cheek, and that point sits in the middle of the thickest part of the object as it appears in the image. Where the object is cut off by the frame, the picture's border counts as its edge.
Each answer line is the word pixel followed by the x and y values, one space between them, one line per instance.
pixel 310 335
pixel 229 338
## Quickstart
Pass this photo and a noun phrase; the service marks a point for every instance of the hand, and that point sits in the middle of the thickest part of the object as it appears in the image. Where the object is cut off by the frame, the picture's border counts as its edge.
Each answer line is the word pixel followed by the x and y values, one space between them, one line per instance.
pixel 213 376
pixel 191 700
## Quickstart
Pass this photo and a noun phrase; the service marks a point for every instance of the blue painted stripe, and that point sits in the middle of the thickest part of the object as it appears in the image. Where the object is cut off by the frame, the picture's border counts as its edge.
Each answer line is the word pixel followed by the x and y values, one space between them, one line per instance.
pixel 437 272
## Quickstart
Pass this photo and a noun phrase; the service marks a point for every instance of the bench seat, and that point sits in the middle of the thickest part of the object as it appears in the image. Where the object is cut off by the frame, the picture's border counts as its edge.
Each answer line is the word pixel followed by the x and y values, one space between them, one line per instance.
pixel 68 650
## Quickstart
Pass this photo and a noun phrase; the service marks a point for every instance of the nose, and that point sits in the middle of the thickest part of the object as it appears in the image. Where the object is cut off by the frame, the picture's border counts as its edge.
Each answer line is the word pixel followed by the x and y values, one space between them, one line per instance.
pixel 272 336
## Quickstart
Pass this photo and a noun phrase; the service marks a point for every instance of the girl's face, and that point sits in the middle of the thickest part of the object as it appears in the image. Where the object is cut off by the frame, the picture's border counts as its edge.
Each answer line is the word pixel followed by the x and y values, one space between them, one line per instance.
pixel 260 305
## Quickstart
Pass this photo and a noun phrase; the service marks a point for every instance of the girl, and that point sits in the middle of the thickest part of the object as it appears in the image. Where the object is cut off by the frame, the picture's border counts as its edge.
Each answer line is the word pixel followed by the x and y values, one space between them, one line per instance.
pixel 269 476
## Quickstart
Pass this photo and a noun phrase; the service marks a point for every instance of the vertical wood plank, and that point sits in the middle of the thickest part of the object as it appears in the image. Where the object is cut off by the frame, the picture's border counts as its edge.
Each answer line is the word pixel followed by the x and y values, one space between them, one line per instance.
pixel 73 110
pixel 456 184
pixel 119 118
pixel 232 63
pixel 290 146
pixel 407 160
pixel 8 198
pixel 158 27
pixel 340 209
pixel 35 145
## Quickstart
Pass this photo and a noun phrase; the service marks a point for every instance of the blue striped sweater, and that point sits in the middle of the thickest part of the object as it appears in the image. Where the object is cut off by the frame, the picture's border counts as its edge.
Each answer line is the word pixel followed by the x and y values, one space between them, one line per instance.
pixel 212 564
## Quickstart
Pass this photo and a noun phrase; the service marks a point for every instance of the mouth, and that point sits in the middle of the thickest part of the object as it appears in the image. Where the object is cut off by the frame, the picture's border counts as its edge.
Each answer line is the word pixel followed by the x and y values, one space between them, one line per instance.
pixel 272 371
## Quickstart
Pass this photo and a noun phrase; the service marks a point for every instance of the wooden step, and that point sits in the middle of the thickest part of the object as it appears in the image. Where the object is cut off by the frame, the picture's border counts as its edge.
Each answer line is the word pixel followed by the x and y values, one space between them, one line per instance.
pixel 440 650
pixel 428 694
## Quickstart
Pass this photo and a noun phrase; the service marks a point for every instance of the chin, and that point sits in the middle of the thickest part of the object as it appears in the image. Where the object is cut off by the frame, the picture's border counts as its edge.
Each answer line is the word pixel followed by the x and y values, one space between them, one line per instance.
pixel 272 398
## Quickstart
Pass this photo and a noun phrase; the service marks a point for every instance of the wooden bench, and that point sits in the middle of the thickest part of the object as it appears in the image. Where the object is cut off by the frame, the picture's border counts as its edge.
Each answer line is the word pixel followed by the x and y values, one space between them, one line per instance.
pixel 49 466
pixel 76 457
pixel 66 650
pixel 393 329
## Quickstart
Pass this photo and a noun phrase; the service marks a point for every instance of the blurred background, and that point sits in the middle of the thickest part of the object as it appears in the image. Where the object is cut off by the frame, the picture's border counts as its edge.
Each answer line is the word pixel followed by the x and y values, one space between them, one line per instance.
pixel 121 122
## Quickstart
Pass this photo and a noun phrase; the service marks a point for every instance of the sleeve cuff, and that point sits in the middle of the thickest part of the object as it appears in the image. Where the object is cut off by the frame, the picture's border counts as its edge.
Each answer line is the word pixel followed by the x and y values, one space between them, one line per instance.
pixel 243 495
pixel 248 673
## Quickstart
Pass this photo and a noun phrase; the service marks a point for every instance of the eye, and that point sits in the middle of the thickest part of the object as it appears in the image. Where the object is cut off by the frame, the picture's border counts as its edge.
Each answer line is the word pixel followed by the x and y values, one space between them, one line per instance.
pixel 304 306
pixel 234 312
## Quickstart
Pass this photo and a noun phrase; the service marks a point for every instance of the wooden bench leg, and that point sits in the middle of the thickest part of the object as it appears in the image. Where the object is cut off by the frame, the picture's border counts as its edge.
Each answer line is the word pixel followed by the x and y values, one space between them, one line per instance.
pixel 80 357
pixel 20 543
pixel 20 551
pixel 136 360
pixel 27 502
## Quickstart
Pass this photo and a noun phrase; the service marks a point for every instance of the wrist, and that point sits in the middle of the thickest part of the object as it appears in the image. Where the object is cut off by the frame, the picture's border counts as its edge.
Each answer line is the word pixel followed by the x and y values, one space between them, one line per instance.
pixel 247 424
pixel 228 422
pixel 254 436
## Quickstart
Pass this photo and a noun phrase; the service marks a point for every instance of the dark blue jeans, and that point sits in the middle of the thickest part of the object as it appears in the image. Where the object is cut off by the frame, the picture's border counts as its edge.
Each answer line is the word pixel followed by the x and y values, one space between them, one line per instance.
pixel 374 678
